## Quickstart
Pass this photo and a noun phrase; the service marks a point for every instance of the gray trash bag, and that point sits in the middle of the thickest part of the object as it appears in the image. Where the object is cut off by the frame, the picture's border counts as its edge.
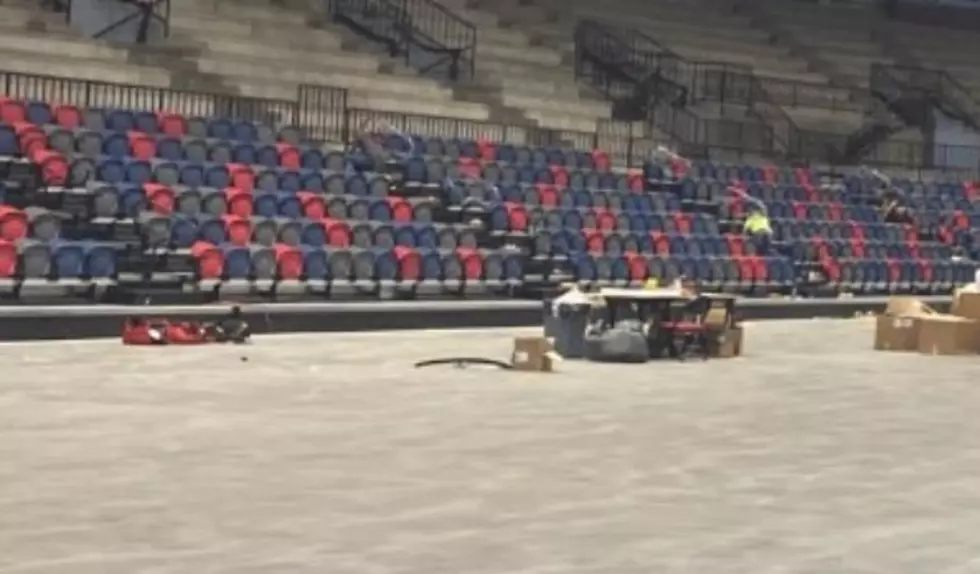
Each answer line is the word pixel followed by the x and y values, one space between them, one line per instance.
pixel 621 344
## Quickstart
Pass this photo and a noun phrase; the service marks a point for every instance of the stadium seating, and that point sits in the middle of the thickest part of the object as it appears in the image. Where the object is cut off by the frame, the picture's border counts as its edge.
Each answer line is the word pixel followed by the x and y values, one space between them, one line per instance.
pixel 210 199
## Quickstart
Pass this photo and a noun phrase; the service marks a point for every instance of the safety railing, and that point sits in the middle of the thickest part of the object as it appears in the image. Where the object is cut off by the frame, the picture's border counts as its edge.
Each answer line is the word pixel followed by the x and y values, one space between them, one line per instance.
pixel 322 114
pixel 145 13
pixel 318 113
pixel 429 36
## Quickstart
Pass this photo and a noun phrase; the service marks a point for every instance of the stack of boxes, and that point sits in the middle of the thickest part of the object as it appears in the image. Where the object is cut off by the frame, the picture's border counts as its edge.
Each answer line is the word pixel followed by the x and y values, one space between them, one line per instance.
pixel 908 324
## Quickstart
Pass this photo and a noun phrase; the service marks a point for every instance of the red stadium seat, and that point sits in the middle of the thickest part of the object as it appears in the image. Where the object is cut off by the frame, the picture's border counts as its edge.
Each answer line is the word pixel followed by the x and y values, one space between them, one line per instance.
pixel 601 160
pixel 338 232
pixel 559 175
pixel 469 168
pixel 960 220
pixel 605 220
pixel 54 167
pixel 547 194
pixel 173 125
pixel 68 116
pixel 857 231
pixel 289 262
pixel 238 229
pixel 517 216
pixel 595 241
pixel 401 209
pixel 13 223
pixel 472 262
pixel 802 175
pixel 159 197
pixel 314 204
pixel 679 167
pixel 894 270
pixel 488 149
pixel 409 263
pixel 142 146
pixel 241 176
pixel 31 138
pixel 683 222
pixel 239 202
pixel 770 174
pixel 8 259
pixel 835 211
pixel 799 209
pixel 970 189
pixel 635 180
pixel 289 156
pixel 661 243
pixel 925 270
pixel 12 111
pixel 210 260
pixel 859 249
pixel 638 268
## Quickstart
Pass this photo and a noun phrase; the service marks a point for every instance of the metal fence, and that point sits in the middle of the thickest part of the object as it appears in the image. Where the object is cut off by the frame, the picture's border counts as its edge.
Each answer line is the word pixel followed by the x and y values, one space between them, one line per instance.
pixel 322 114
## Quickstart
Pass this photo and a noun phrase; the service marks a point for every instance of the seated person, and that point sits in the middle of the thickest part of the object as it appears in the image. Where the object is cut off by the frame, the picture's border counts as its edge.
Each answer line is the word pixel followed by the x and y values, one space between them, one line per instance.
pixel 895 212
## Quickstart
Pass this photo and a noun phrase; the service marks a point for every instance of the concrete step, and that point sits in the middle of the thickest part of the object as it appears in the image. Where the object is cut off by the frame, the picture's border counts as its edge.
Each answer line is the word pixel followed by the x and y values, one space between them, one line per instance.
pixel 276 56
pixel 536 56
pixel 511 37
pixel 82 69
pixel 503 68
pixel 61 46
pixel 314 42
pixel 589 109
pixel 237 12
pixel 208 22
pixel 398 86
pixel 559 121
pixel 378 101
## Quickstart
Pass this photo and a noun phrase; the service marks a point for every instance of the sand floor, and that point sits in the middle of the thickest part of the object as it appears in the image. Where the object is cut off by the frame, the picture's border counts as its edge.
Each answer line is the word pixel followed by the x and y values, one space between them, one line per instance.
pixel 330 454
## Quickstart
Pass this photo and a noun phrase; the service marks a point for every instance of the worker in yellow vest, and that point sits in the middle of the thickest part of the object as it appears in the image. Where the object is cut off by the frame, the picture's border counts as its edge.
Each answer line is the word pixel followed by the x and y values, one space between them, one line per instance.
pixel 757 227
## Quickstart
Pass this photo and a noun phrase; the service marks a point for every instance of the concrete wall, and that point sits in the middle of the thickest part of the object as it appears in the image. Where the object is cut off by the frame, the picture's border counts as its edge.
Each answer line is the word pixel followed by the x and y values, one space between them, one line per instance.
pixel 90 17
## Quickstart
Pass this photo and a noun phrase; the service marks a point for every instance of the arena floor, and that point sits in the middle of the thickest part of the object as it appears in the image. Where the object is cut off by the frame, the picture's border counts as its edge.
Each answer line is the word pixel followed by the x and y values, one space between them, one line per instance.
pixel 329 454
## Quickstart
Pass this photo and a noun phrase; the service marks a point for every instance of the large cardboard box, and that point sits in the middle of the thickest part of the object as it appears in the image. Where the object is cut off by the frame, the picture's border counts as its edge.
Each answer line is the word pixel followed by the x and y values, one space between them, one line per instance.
pixel 966 304
pixel 948 335
pixel 897 329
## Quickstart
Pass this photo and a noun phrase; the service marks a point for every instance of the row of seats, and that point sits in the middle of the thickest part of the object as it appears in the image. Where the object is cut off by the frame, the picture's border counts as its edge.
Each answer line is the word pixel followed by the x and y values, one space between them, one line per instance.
pixel 154 123
pixel 181 232
pixel 128 201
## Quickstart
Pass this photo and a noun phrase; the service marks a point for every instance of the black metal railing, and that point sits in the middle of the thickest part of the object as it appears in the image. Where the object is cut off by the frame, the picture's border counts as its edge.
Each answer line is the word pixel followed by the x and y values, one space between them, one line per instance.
pixel 317 113
pixel 144 15
pixel 322 115
pixel 429 36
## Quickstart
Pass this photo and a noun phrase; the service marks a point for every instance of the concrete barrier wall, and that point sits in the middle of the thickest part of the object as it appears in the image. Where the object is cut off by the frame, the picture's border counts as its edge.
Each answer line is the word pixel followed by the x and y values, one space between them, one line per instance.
pixel 94 321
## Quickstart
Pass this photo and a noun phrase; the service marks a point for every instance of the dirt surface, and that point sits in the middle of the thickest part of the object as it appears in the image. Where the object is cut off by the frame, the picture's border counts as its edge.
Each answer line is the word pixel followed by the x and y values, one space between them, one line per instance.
pixel 330 454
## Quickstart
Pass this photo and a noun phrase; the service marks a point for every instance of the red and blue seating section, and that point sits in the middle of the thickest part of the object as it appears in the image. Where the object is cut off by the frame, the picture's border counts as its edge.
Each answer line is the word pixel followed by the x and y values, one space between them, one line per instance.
pixel 247 204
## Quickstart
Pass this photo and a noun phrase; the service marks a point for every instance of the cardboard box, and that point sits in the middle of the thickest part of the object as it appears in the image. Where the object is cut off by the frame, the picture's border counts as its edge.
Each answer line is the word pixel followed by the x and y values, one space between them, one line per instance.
pixel 948 335
pixel 728 343
pixel 966 304
pixel 897 329
pixel 533 354
pixel 896 333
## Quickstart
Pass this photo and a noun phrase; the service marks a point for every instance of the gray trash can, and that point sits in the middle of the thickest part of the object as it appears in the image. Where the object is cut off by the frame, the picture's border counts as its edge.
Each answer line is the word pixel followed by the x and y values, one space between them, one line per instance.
pixel 567 328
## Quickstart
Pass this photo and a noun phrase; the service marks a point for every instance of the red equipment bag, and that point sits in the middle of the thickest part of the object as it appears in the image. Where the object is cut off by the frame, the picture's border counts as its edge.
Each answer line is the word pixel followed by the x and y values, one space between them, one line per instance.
pixel 138 331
